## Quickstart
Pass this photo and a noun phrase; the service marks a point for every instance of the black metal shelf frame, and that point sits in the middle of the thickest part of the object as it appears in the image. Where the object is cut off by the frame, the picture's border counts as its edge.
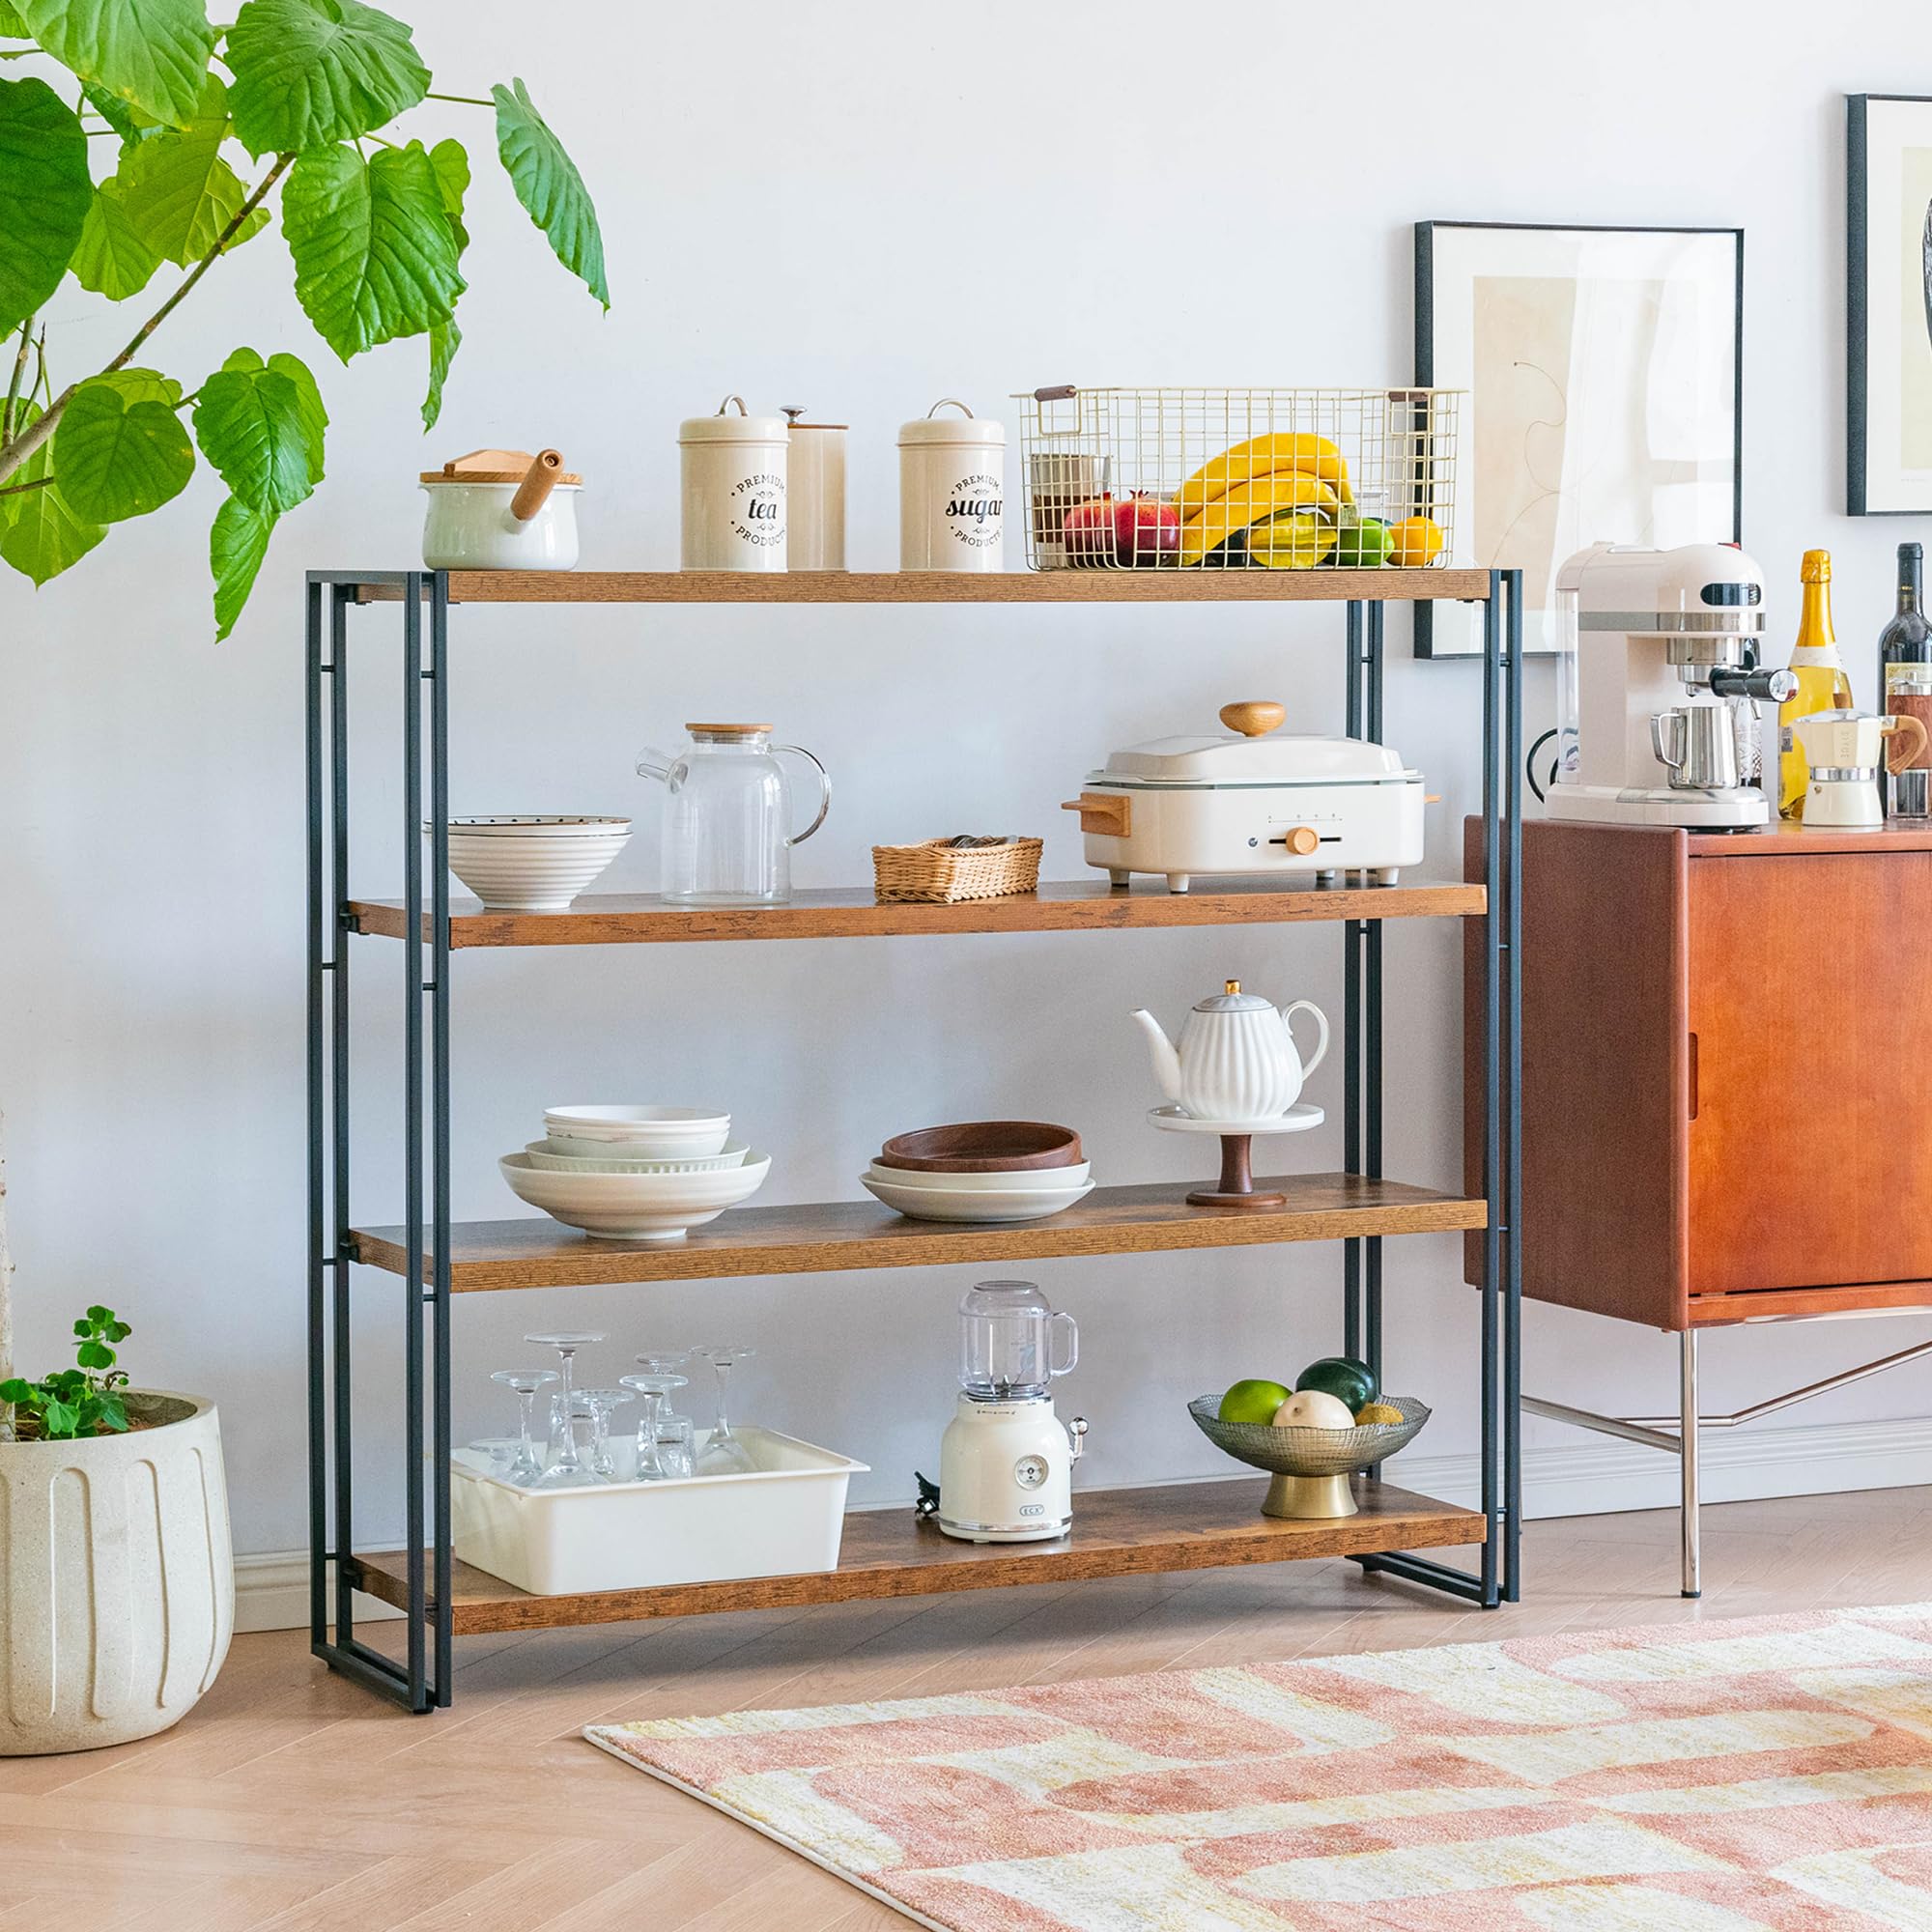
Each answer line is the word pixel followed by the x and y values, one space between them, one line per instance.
pixel 424 1678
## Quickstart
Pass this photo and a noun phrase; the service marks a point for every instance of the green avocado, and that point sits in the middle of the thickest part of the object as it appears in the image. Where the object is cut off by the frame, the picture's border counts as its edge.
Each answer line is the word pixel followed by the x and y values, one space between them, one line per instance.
pixel 1340 1375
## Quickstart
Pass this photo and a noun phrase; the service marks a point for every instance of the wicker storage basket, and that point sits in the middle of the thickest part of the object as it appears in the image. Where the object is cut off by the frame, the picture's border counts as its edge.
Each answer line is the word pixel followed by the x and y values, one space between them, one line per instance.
pixel 941 872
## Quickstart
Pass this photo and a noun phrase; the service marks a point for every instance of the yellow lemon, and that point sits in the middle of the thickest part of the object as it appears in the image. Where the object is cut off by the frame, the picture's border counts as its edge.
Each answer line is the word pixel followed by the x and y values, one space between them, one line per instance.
pixel 1385 1412
pixel 1414 542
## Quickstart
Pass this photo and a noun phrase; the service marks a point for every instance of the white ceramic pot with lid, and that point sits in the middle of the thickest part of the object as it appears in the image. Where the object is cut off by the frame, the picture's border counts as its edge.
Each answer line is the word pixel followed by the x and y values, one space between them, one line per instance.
pixel 1256 800
pixel 953 486
pixel 500 509
pixel 733 471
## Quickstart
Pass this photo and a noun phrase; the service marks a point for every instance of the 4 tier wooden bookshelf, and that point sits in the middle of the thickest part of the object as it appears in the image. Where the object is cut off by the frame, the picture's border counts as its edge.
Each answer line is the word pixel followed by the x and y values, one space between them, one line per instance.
pixel 884 1553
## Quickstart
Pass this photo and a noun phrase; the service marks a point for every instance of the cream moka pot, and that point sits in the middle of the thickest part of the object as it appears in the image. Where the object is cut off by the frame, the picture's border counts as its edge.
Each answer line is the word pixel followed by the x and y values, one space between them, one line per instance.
pixel 1842 750
pixel 1005 1462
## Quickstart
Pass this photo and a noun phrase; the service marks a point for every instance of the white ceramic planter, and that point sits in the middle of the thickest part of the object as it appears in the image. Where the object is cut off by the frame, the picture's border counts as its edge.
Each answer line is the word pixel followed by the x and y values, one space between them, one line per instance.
pixel 117 1581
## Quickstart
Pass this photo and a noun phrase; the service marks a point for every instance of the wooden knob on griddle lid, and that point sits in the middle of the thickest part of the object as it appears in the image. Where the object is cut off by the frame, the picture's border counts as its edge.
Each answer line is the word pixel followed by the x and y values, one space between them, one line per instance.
pixel 1253 718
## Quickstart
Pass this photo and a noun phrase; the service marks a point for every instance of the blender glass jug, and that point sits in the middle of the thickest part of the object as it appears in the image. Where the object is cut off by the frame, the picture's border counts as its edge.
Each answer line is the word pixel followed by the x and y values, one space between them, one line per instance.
pixel 727 821
pixel 1005 1342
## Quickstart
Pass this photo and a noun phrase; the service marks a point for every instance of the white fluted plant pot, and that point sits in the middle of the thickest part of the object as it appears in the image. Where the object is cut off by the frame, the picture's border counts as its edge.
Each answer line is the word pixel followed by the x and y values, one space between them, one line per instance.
pixel 117 1581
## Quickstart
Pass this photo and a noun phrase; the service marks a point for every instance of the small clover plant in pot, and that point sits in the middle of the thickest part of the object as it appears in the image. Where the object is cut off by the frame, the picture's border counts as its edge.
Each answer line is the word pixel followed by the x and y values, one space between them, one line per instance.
pixel 120 1596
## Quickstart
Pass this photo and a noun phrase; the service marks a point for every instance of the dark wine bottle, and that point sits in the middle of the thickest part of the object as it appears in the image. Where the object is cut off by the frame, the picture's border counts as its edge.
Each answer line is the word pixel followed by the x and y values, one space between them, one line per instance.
pixel 1905 681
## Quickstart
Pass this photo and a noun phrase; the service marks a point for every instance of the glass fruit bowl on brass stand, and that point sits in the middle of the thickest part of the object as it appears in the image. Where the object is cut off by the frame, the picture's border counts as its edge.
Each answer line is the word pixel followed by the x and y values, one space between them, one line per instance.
pixel 1311 1466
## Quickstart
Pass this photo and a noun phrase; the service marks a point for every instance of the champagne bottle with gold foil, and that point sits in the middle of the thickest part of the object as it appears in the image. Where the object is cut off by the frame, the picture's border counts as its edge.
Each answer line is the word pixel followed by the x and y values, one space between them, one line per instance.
pixel 1821 683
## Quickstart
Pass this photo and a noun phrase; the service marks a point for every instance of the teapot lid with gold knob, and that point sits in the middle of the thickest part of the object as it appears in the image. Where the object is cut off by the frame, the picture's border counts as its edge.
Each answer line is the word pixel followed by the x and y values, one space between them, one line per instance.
pixel 1233 1001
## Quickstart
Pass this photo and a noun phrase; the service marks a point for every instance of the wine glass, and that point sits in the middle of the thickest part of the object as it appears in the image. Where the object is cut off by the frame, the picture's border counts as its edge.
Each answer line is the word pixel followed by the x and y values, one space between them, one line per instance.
pixel 600 1404
pixel 722 1453
pixel 652 1387
pixel 566 1469
pixel 526 1469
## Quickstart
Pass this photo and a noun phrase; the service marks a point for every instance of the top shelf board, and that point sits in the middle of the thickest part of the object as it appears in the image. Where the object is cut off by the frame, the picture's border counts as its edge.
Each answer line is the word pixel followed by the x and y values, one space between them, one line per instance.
pixel 939 587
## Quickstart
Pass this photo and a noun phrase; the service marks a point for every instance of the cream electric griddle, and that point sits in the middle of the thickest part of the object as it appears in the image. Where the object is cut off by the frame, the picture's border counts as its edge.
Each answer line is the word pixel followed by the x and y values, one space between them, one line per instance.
pixel 1251 802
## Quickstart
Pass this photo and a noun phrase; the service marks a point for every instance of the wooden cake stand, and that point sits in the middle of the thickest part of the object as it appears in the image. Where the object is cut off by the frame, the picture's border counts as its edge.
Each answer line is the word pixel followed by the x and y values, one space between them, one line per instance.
pixel 1236 1188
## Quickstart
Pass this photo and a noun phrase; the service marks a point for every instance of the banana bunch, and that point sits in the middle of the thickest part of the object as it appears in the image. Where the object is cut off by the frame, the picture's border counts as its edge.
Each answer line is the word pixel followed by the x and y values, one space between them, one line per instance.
pixel 1291 485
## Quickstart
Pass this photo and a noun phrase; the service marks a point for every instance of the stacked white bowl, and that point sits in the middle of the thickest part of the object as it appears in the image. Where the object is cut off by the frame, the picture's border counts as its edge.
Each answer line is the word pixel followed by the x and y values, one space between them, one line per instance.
pixel 635 1174
pixel 532 862
pixel 981 1171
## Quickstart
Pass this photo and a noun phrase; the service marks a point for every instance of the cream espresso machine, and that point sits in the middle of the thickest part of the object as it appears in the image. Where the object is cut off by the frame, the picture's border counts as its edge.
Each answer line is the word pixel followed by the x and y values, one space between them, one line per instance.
pixel 1006 1463
pixel 1661 658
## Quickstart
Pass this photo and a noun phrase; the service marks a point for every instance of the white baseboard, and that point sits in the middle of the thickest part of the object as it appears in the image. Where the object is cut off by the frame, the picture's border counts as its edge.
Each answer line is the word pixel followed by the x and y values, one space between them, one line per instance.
pixel 1586 1476
pixel 271 1593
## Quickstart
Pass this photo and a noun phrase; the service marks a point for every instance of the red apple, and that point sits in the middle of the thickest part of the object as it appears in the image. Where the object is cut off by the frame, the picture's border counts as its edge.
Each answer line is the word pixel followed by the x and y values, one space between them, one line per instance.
pixel 1128 532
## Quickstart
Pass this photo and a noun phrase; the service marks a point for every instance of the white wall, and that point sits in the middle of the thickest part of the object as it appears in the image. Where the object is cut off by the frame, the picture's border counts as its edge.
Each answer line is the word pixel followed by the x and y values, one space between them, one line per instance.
pixel 863 208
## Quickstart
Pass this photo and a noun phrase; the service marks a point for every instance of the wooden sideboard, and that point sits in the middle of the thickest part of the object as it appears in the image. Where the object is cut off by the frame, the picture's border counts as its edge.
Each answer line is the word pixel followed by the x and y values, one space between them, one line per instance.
pixel 1726 1071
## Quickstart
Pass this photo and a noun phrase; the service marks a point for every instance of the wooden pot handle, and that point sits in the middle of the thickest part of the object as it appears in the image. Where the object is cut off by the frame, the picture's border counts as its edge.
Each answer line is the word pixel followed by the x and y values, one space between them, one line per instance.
pixel 1254 719
pixel 1912 730
pixel 539 480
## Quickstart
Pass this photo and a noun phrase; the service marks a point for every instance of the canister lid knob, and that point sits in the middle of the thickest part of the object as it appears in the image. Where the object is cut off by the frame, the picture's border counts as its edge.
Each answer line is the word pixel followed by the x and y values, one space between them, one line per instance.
pixel 1234 986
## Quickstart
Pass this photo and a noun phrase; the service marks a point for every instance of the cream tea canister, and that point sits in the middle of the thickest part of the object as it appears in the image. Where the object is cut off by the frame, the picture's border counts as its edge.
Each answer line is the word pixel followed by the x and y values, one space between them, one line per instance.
pixel 953 486
pixel 732 472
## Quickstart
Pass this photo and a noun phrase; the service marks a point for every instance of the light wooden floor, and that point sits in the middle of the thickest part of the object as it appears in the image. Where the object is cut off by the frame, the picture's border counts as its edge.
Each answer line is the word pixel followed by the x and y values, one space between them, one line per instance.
pixel 291 1801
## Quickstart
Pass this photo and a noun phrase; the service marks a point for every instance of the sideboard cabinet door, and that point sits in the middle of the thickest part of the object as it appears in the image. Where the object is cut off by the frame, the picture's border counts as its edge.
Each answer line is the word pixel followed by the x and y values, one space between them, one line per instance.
pixel 1810 1020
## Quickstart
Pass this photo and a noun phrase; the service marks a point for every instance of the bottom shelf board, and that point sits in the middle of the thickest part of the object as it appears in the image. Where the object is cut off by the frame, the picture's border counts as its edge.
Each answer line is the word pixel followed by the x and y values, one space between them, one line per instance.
pixel 892 1553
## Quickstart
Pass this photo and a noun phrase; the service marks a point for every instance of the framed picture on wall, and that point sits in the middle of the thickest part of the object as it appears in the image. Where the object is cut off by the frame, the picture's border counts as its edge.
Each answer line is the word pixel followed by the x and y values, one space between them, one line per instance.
pixel 1888 305
pixel 1605 377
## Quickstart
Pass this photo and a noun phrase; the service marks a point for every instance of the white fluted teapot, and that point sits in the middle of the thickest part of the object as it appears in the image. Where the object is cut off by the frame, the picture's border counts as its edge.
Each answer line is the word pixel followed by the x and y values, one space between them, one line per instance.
pixel 1236 1059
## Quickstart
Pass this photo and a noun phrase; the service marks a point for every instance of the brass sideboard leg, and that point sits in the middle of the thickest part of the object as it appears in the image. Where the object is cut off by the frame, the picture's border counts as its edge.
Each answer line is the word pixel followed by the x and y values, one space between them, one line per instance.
pixel 1686 1459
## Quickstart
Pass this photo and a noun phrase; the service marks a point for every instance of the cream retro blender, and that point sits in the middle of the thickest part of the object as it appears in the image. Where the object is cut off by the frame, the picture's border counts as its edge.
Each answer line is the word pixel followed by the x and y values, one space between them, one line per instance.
pixel 1006 1463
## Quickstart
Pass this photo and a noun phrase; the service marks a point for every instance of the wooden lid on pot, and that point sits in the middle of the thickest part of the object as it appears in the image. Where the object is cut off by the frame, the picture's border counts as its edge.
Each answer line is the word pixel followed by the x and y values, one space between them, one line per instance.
pixel 490 465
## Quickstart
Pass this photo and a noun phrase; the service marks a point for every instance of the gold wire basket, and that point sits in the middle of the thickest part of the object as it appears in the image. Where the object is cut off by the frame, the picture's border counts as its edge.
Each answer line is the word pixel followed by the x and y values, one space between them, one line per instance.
pixel 1231 479
pixel 1311 1466
pixel 943 870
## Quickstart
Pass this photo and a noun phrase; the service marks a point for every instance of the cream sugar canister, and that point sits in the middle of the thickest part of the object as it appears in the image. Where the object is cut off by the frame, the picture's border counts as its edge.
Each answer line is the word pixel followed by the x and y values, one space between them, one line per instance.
pixel 816 490
pixel 733 471
pixel 953 486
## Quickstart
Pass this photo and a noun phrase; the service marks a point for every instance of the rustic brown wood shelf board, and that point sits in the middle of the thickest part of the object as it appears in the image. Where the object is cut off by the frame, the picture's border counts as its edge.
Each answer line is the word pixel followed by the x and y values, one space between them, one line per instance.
pixel 830 1236
pixel 1076 905
pixel 892 1553
pixel 948 586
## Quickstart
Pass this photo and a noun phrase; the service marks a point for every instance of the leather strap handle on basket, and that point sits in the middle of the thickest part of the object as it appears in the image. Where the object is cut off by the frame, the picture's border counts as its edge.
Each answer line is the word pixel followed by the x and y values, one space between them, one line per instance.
pixel 539 480
pixel 1913 729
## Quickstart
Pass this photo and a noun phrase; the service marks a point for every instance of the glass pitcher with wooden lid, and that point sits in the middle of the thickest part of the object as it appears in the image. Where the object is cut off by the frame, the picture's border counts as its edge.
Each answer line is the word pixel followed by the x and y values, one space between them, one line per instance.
pixel 727 821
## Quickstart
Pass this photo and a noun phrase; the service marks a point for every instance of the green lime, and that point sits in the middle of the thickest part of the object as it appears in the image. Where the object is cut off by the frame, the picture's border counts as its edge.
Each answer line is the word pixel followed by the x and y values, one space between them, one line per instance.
pixel 1342 1377
pixel 1253 1402
pixel 1363 546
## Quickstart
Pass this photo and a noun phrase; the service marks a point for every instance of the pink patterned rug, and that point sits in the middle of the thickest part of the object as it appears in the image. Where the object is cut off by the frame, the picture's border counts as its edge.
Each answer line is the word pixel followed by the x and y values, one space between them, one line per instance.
pixel 1764 1774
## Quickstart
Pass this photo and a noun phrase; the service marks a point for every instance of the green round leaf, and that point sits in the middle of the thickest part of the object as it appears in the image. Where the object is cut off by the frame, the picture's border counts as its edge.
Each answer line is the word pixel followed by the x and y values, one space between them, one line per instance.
pixel 179 193
pixel 236 547
pixel 40 534
pixel 373 254
pixel 12 26
pixel 152 52
pixel 550 187
pixel 249 425
pixel 44 195
pixel 117 458
pixel 112 258
pixel 309 72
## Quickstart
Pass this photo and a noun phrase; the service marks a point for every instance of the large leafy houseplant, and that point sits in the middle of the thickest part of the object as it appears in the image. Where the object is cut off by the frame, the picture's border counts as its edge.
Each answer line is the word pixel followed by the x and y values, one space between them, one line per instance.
pixel 200 124
pixel 139 145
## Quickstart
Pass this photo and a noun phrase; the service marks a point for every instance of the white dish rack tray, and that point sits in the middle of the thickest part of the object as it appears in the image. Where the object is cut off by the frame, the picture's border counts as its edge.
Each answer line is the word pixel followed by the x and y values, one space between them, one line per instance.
pixel 785 1518
pixel 1396 449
